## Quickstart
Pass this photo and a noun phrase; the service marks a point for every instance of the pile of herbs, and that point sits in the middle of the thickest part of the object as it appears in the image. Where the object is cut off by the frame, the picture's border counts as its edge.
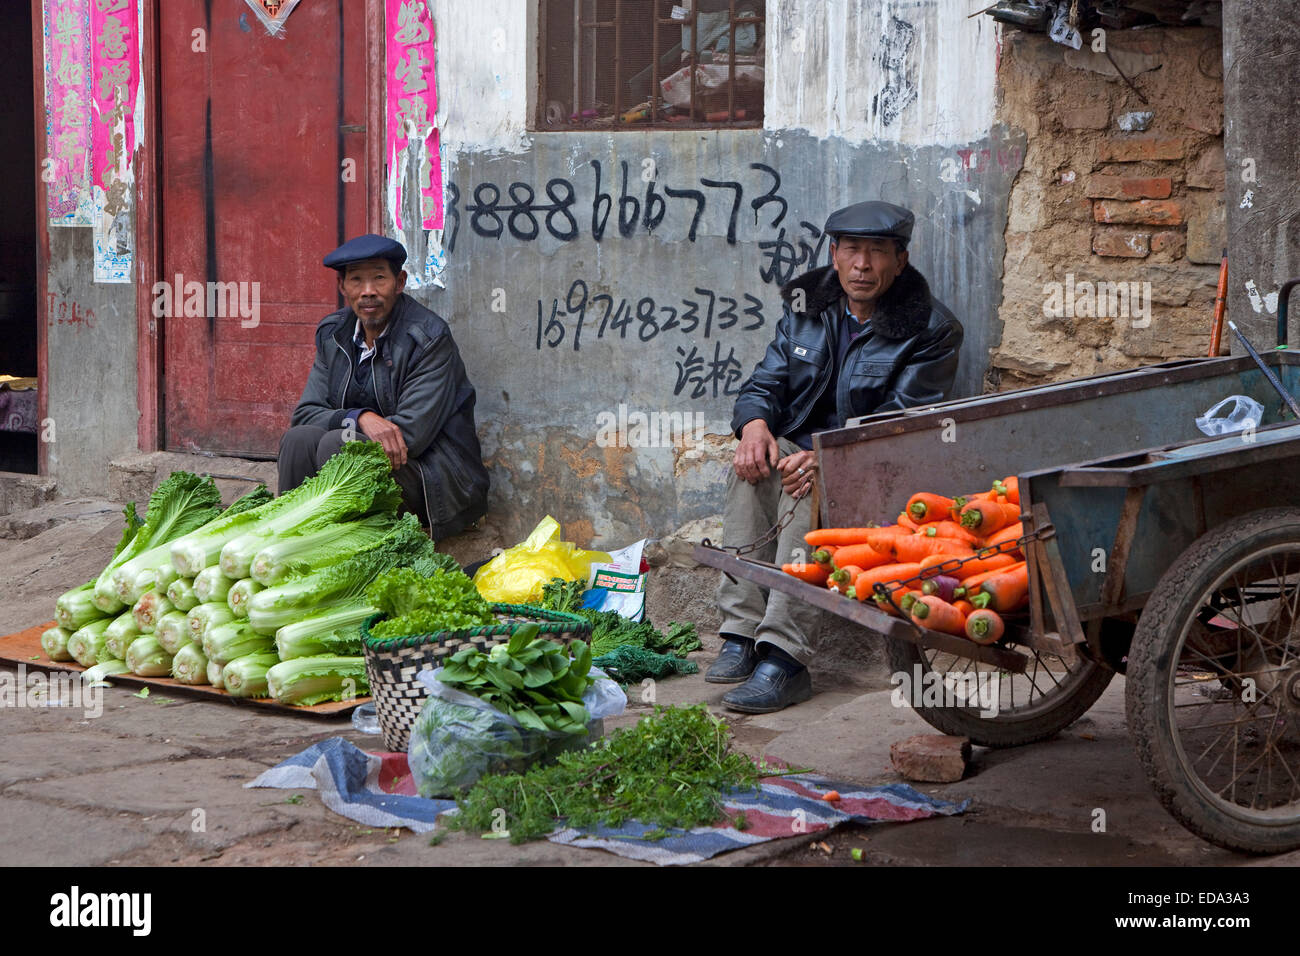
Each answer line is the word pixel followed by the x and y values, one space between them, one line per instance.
pixel 610 630
pixel 446 600
pixel 671 770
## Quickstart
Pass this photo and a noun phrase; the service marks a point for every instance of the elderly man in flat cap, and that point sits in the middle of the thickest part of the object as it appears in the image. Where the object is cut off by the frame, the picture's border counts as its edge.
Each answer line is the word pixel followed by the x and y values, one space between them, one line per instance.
pixel 861 335
pixel 387 369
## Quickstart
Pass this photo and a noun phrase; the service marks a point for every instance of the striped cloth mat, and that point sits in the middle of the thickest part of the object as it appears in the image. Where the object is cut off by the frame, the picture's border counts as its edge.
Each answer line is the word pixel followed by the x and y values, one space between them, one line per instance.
pixel 377 789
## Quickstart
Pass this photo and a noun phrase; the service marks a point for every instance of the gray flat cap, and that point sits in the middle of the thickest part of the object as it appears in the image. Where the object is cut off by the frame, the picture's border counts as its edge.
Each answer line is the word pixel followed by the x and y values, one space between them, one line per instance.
pixel 877 219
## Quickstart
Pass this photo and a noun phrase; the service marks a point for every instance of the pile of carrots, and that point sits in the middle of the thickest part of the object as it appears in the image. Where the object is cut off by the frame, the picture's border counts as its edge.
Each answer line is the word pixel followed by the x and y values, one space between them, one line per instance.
pixel 951 564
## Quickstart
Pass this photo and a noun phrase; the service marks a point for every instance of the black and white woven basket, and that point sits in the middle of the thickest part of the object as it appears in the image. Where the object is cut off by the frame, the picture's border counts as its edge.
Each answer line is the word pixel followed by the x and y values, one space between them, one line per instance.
pixel 393 662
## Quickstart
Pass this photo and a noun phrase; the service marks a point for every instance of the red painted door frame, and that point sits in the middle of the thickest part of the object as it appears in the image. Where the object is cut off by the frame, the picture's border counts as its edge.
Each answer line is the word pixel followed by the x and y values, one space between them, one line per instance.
pixel 147 222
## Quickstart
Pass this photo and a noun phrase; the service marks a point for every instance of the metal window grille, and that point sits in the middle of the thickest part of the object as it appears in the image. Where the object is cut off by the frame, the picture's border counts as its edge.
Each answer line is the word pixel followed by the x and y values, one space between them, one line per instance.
pixel 633 64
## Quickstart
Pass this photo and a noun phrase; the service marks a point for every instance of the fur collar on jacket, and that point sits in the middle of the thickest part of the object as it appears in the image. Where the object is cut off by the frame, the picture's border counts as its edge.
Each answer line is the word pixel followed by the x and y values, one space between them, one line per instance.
pixel 902 312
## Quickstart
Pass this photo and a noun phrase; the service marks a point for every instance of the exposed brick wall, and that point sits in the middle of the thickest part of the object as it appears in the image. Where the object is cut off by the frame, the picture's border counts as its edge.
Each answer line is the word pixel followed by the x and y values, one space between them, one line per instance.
pixel 1114 190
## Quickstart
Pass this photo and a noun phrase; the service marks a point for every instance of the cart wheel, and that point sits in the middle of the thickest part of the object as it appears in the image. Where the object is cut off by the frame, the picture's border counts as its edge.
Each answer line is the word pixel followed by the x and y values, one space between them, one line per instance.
pixel 1213 694
pixel 1051 694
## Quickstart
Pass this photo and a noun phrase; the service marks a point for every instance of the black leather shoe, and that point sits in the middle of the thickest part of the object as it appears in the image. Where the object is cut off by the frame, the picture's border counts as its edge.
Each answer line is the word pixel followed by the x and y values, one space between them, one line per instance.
pixel 735 663
pixel 776 684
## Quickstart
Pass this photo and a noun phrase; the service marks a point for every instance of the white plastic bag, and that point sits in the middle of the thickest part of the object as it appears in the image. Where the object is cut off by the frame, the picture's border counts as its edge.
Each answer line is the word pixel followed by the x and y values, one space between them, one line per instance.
pixel 1245 413
pixel 458 738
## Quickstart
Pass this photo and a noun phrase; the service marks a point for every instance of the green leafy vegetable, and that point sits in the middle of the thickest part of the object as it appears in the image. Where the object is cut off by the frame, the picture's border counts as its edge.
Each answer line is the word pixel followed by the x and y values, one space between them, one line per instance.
pixel 415 604
pixel 292 554
pixel 87 644
pixel 335 631
pixel 190 665
pixel 246 676
pixel 562 595
pixel 307 681
pixel 147 658
pixel 671 770
pixel 54 642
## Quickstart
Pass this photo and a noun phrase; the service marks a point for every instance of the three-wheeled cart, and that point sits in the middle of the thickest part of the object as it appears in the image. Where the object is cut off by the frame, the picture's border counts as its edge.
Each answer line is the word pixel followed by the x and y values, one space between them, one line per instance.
pixel 1155 552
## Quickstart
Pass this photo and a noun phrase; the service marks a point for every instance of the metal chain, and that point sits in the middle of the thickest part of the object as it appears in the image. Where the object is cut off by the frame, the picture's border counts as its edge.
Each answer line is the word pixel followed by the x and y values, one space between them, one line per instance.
pixel 767 537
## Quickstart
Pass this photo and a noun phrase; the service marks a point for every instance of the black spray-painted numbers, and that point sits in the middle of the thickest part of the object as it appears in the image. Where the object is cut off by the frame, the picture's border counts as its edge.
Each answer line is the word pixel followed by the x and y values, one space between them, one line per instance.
pixel 522 215
pixel 644 319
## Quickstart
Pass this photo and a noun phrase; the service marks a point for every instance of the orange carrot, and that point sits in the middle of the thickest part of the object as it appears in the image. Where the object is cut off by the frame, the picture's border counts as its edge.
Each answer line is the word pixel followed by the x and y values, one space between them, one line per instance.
pixel 951 529
pixel 812 573
pixel 970 586
pixel 918 546
pixel 1012 532
pixel 844 536
pixel 938 615
pixel 984 626
pixel 1009 486
pixel 961 501
pixel 987 517
pixel 925 507
pixel 934 564
pixel 905 522
pixel 994 562
pixel 863 555
pixel 964 606
pixel 864 584
pixel 1004 592
pixel 841 579
pixel 824 554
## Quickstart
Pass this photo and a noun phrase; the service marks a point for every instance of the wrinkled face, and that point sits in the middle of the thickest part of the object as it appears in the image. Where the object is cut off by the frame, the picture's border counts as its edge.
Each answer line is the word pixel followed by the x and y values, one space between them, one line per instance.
pixel 867 266
pixel 371 288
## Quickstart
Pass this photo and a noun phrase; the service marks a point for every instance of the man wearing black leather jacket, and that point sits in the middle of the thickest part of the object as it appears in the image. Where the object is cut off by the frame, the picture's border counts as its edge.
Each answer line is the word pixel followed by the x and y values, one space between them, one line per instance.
pixel 387 369
pixel 859 336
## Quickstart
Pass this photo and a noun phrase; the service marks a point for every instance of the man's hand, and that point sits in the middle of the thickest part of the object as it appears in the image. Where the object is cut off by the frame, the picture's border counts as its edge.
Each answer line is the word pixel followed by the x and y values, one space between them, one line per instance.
pixel 797 473
pixel 757 451
pixel 380 429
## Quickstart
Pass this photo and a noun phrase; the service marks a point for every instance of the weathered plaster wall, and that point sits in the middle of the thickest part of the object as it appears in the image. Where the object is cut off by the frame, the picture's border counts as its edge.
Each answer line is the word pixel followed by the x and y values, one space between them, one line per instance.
pixel 869 99
pixel 1114 190
pixel 91 336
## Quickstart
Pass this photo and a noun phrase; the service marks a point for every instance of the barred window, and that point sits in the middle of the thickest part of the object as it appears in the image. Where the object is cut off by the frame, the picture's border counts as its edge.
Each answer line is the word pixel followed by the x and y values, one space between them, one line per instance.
pixel 632 64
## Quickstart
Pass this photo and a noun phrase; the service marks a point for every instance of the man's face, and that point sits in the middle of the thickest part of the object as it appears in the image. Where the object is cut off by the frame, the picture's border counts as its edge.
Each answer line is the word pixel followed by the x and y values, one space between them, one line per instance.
pixel 371 288
pixel 867 267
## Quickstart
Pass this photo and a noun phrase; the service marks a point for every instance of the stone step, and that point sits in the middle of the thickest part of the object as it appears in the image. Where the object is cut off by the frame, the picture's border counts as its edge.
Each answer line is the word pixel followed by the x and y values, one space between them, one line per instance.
pixel 134 477
pixel 21 492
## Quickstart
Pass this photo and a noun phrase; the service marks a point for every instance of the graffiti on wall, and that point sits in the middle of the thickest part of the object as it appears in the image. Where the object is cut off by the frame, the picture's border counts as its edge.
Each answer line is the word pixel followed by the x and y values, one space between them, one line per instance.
pixel 66 166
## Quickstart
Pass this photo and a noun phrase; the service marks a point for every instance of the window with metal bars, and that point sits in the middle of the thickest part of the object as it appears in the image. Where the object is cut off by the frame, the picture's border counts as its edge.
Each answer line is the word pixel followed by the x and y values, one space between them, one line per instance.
pixel 633 64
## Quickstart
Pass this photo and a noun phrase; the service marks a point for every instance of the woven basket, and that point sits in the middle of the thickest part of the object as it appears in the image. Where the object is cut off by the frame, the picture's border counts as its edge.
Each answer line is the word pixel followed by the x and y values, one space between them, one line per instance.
pixel 393 662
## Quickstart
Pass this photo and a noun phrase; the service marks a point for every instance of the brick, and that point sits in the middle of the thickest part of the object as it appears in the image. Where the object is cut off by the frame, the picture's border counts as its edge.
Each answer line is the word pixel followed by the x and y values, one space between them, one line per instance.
pixel 1086 117
pixel 931 758
pixel 1210 169
pixel 1129 187
pixel 1138 149
pixel 1145 212
pixel 1207 228
pixel 1168 244
pixel 1121 242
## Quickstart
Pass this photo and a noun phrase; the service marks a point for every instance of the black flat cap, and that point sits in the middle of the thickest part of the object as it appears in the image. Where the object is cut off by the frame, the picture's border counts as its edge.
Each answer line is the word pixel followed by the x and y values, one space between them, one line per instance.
pixel 877 219
pixel 366 247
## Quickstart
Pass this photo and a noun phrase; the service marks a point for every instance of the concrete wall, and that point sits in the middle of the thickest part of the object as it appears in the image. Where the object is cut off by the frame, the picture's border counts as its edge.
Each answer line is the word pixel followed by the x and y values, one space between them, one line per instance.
pixel 91 382
pixel 865 99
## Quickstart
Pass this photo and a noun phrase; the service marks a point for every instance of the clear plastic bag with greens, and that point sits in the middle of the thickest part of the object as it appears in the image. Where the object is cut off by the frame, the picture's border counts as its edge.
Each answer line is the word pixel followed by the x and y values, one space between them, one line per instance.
pixel 517 576
pixel 458 738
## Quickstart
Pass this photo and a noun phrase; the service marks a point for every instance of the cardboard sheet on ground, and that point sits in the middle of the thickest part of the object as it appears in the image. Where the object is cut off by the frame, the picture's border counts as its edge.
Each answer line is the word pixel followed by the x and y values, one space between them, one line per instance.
pixel 24 647
pixel 377 789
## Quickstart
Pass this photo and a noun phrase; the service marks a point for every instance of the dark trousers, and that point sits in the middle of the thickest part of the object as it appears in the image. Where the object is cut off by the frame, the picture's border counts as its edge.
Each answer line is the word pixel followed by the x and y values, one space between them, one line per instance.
pixel 304 449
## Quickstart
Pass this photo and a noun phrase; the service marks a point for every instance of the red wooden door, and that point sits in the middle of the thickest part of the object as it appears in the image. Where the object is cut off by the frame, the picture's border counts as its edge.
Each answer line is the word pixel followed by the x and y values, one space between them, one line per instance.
pixel 256 132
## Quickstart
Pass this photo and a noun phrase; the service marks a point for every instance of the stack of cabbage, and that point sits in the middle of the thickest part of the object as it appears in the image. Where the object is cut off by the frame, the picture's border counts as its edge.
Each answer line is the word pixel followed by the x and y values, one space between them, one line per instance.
pixel 266 597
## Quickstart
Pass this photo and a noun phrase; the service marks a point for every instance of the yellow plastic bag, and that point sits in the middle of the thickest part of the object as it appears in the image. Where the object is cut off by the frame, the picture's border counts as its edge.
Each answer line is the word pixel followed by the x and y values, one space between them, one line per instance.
pixel 518 575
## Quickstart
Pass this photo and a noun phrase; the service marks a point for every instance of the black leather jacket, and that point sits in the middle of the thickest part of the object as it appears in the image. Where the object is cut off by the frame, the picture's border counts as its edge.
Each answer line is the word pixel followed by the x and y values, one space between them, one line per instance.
pixel 421 387
pixel 909 359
